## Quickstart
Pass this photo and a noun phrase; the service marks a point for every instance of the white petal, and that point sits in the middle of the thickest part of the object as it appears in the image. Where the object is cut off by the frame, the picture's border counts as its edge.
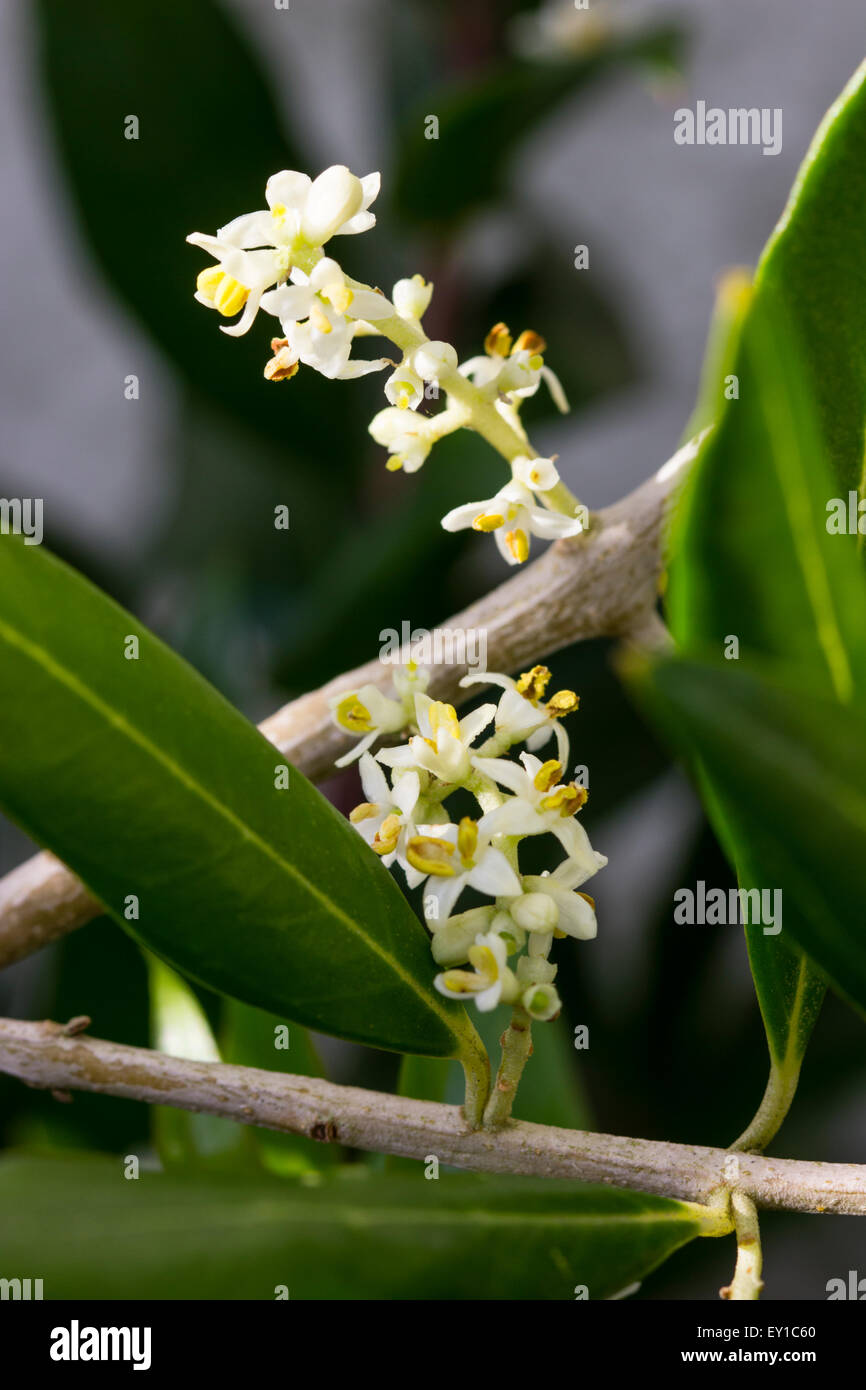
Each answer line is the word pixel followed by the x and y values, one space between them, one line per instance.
pixel 472 724
pixel 289 303
pixel 445 892
pixel 514 817
pixel 368 304
pixel 494 875
pixel 334 197
pixel 505 772
pixel 361 367
pixel 356 752
pixel 289 187
pixel 249 230
pixel 406 791
pixel 552 526
pixel 459 518
pixel 374 782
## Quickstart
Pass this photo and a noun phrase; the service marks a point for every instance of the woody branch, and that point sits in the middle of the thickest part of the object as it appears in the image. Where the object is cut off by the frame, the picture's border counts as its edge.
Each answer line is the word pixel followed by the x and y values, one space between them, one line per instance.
pixel 48 1056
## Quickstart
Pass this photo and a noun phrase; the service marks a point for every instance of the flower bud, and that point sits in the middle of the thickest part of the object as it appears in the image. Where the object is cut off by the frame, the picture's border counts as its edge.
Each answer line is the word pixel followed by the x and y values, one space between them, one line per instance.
pixel 538 474
pixel 541 1002
pixel 434 358
pixel 411 297
pixel 535 912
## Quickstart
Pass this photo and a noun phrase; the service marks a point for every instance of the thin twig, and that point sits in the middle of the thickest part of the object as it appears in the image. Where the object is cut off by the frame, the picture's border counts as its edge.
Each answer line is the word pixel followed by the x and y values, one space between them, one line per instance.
pixel 603 584
pixel 44 1056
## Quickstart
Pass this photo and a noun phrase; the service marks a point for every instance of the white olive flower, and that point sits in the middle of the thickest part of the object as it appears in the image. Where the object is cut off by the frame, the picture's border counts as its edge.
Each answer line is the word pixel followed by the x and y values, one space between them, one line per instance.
pixel 514 369
pixel 385 819
pixel 258 249
pixel 452 938
pixel 523 714
pixel 432 359
pixel 541 804
pixel 369 713
pixel 538 474
pixel 490 982
pixel 576 911
pixel 513 516
pixel 442 747
pixel 409 437
pixel 457 857
pixel 404 388
pixel 412 298
pixel 320 316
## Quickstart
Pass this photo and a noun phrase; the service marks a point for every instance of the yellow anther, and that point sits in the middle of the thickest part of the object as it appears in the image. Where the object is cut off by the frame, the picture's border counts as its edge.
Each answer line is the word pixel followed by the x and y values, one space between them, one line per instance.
pixel 283 365
pixel 518 544
pixel 530 342
pixel 467 840
pixel 363 812
pixel 489 522
pixel 340 296
pixel 485 963
pixel 386 837
pixel 319 318
pixel 547 775
pixel 461 982
pixel 559 933
pixel 431 856
pixel 498 341
pixel 221 290
pixel 394 463
pixel 587 899
pixel 534 683
pixel 352 715
pixel 563 702
pixel 565 800
pixel 442 716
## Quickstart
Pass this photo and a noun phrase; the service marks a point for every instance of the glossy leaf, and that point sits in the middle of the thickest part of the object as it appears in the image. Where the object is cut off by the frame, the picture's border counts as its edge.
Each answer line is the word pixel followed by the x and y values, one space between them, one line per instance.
pixel 789 767
pixel 168 804
pixel 93 1234
pixel 753 561
pixel 814 262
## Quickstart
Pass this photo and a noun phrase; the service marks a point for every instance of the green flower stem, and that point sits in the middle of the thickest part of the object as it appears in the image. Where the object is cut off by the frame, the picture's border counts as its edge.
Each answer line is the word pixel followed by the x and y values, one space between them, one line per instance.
pixel 476 1071
pixel 746 1283
pixel 516 1049
pixel 484 418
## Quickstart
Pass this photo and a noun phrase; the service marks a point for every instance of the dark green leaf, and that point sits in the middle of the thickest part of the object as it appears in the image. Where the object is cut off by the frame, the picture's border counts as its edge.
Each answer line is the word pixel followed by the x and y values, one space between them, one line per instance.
pixel 815 263
pixel 790 766
pixel 91 1233
pixel 150 786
